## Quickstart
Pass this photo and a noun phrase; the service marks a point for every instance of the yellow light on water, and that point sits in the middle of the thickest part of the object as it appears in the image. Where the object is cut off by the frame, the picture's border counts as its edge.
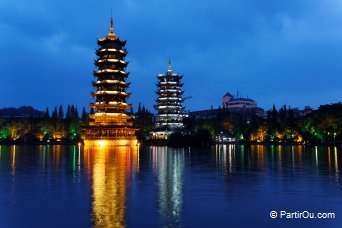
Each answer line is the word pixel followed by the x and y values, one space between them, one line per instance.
pixel 110 143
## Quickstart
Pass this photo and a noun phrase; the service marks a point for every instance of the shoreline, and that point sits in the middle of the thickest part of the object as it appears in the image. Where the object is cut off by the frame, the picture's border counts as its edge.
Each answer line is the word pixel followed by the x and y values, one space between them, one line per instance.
pixel 167 143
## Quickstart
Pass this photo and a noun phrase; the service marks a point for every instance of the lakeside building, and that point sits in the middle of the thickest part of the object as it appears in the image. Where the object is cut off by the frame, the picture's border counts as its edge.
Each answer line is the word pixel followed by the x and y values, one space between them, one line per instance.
pixel 230 102
pixel 110 119
pixel 302 112
pixel 244 106
pixel 214 113
pixel 169 104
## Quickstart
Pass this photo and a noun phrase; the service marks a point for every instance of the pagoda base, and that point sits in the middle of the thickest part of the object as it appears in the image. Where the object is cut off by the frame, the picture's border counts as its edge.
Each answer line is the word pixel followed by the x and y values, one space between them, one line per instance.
pixel 109 136
pixel 129 141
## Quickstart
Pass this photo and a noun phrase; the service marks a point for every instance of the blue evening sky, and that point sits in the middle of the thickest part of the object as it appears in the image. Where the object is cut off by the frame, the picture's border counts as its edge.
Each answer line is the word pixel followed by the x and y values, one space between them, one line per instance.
pixel 276 52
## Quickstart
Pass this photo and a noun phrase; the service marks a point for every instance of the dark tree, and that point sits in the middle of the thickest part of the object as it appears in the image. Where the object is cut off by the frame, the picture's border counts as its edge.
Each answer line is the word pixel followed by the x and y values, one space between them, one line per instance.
pixel 68 115
pixel 72 112
pixel 84 115
pixel 60 112
pixel 139 109
pixel 54 114
pixel 76 116
pixel 47 114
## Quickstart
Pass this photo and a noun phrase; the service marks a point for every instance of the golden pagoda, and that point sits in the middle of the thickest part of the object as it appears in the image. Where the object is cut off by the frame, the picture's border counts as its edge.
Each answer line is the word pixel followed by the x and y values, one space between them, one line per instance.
pixel 110 123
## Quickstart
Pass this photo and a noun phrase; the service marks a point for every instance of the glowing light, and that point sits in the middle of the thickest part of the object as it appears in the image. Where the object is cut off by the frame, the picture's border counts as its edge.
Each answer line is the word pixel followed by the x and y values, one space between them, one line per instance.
pixel 110 143
pixel 110 49
pixel 111 71
pixel 169 98
pixel 110 114
pixel 74 158
pixel 180 115
pixel 102 143
pixel 299 139
pixel 169 106
pixel 109 185
pixel 163 83
pixel 13 161
pixel 111 81
pixel 336 161
pixel 109 92
pixel 110 60
pixel 169 90
pixel 316 155
pixel 171 124
pixel 113 103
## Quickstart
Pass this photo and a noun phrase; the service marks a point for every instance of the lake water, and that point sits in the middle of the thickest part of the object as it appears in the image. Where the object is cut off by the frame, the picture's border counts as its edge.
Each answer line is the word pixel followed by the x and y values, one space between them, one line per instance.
pixel 220 186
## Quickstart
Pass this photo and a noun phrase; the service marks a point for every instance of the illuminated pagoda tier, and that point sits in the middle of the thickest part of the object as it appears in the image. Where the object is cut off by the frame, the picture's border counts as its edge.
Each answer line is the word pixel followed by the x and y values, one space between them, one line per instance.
pixel 169 107
pixel 110 119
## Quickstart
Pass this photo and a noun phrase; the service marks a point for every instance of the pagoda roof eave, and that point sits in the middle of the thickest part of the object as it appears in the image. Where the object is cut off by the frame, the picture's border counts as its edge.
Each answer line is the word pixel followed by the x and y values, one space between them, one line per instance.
pixel 99 114
pixel 111 71
pixel 110 39
pixel 101 60
pixel 169 75
pixel 104 50
pixel 111 82
pixel 104 74
pixel 121 94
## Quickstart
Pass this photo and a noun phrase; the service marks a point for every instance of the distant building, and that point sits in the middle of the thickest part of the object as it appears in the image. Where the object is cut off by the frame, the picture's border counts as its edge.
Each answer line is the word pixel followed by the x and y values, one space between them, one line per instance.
pixel 244 106
pixel 229 101
pixel 302 112
pixel 204 114
pixel 214 113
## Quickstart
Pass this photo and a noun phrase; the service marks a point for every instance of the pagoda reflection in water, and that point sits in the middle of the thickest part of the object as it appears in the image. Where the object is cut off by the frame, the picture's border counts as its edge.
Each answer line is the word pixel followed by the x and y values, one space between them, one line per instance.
pixel 169 167
pixel 108 169
pixel 110 120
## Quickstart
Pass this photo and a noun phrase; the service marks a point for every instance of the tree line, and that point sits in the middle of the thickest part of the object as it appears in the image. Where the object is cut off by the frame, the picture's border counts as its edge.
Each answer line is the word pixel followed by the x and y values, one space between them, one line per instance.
pixel 282 125
pixel 51 127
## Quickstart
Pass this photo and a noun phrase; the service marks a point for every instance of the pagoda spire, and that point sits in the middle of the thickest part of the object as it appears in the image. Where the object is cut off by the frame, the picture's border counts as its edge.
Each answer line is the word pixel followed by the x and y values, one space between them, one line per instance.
pixel 170 66
pixel 111 33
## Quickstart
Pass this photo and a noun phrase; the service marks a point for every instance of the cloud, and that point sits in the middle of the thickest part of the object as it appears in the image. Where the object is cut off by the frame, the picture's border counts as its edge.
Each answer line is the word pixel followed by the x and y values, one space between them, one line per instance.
pixel 274 51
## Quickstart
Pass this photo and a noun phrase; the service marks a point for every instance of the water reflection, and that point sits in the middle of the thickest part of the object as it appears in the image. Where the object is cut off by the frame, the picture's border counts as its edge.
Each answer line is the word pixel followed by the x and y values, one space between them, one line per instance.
pixel 101 186
pixel 257 156
pixel 13 153
pixel 231 159
pixel 336 165
pixel 225 158
pixel 169 168
pixel 109 169
pixel 56 156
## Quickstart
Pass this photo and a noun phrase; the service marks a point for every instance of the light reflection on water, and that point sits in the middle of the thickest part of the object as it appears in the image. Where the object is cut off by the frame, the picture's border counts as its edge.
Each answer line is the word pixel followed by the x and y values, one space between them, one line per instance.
pixel 106 186
pixel 230 159
pixel 109 169
pixel 169 169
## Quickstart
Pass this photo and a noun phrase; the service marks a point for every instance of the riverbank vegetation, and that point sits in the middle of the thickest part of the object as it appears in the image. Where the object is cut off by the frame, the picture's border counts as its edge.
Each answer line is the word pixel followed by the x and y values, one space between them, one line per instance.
pixel 55 128
pixel 283 125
